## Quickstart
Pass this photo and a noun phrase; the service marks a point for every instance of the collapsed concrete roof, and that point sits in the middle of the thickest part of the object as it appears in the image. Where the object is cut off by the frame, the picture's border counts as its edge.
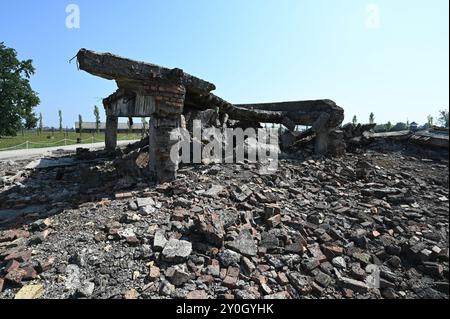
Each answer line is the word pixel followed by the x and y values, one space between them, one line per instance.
pixel 131 75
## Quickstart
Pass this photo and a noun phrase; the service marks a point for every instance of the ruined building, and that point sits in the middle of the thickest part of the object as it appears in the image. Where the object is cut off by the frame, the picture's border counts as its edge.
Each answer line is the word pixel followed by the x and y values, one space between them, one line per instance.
pixel 164 95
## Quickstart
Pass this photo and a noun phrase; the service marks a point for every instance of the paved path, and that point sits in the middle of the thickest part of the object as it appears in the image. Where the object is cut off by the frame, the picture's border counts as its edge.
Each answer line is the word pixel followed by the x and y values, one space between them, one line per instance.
pixel 40 152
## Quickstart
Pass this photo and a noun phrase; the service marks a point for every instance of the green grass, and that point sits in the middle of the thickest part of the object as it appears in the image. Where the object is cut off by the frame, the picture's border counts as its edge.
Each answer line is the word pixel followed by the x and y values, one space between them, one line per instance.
pixel 47 139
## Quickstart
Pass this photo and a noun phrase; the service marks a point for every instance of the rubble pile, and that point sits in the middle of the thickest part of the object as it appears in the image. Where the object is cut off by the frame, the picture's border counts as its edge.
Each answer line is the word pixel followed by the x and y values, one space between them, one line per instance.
pixel 430 143
pixel 364 225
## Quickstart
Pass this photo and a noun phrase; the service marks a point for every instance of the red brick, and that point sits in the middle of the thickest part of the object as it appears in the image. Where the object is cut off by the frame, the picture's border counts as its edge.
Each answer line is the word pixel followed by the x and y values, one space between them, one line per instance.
pixel 20 256
pixel 13 234
pixel 197 295
pixel 12 265
pixel 31 273
pixel 230 282
pixel 16 276
pixel 233 272
pixel 282 279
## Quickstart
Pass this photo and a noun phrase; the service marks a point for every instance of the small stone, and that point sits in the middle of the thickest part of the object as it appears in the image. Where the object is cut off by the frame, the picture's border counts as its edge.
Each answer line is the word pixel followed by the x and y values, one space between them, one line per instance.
pixel 247 266
pixel 213 191
pixel 433 269
pixel 13 234
pixel 39 238
pixel 436 250
pixel 271 210
pixel 233 272
pixel 339 262
pixel 317 289
pixel 30 273
pixel 211 226
pixel 317 253
pixel 20 256
pixel 166 288
pixel 154 273
pixel 375 234
pixel 241 193
pixel 274 221
pixel 323 279
pixel 177 275
pixel 197 295
pixel 86 290
pixel 331 251
pixel 310 264
pixel 130 218
pixel 230 282
pixel 357 272
pixel 265 289
pixel 301 283
pixel 12 265
pixel 145 201
pixel 73 274
pixel 30 292
pixel 132 241
pixel 355 285
pixel 15 276
pixel 214 268
pixel 278 296
pixel 395 261
pixel 159 241
pixel 120 196
pixel 229 257
pixel 45 265
pixel 176 250
pixel 131 294
pixel 244 244
pixel 364 258
pixel 269 240
pixel 389 293
pixel 282 279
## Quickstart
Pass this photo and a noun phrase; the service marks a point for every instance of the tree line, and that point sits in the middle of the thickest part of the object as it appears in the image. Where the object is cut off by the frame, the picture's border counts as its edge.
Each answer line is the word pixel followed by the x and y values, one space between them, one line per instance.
pixel 442 120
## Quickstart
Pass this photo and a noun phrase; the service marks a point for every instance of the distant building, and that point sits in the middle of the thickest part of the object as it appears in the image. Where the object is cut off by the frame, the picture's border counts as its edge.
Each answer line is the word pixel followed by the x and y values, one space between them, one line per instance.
pixel 413 126
pixel 90 127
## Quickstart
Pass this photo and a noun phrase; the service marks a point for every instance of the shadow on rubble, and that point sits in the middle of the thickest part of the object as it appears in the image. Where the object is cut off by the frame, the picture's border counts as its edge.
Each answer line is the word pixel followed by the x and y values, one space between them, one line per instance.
pixel 47 186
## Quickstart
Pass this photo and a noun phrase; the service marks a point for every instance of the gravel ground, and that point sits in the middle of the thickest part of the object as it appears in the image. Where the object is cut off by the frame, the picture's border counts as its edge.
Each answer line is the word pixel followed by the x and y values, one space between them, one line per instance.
pixel 366 225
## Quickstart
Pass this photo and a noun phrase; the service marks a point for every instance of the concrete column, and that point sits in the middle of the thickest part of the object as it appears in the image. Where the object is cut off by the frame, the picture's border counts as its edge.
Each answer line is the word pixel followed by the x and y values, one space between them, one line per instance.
pixel 321 143
pixel 111 132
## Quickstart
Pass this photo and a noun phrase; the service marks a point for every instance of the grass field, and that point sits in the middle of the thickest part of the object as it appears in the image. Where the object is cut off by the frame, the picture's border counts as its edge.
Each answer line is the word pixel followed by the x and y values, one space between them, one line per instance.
pixel 48 139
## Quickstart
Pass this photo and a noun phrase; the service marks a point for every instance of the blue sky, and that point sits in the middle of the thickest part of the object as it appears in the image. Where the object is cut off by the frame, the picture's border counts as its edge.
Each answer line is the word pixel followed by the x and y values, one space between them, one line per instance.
pixel 253 50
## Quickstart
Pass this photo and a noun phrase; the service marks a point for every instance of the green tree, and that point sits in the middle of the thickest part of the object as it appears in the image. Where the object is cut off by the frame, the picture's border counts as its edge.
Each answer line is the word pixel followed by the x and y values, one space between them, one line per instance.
pixel 388 126
pixel 97 119
pixel 17 99
pixel 372 118
pixel 144 126
pixel 430 120
pixel 41 124
pixel 80 124
pixel 31 121
pixel 355 120
pixel 60 121
pixel 443 118
pixel 130 125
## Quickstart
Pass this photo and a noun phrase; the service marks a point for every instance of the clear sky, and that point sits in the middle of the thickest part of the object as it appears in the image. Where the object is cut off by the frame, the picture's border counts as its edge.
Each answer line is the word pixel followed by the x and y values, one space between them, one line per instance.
pixel 391 58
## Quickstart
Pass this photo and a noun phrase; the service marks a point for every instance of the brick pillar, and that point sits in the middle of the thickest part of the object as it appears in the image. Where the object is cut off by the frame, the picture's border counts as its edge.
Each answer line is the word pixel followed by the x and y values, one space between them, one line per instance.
pixel 321 143
pixel 162 166
pixel 111 132
pixel 169 102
